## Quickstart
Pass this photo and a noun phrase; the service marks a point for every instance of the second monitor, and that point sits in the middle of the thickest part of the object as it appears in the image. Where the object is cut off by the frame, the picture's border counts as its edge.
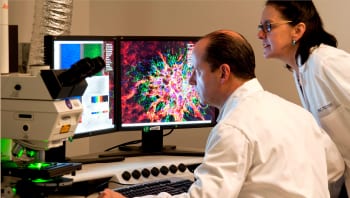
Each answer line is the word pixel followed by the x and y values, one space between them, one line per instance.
pixel 98 100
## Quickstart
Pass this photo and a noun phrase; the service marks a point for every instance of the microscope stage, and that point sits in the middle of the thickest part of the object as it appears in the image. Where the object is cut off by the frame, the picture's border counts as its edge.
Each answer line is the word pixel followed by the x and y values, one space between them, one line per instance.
pixel 38 170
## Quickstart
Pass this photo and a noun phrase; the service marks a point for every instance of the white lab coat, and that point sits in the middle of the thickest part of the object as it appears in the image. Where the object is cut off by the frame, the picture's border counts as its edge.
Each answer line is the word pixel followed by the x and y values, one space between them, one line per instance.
pixel 324 88
pixel 265 147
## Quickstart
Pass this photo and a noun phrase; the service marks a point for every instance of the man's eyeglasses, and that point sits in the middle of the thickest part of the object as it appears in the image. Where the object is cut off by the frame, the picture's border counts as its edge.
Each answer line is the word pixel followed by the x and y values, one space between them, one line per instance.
pixel 267 26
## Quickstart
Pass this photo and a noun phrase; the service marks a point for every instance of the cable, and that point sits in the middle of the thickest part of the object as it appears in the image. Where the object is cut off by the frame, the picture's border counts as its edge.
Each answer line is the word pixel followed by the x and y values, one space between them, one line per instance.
pixel 171 130
pixel 124 144
pixel 116 182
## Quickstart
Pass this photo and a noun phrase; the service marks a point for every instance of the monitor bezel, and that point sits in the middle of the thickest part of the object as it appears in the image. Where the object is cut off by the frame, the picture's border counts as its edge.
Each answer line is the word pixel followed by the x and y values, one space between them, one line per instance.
pixel 120 126
pixel 49 60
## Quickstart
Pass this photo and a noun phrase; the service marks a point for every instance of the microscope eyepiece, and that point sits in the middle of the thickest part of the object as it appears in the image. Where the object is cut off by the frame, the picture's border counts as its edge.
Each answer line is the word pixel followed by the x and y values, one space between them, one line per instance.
pixel 85 67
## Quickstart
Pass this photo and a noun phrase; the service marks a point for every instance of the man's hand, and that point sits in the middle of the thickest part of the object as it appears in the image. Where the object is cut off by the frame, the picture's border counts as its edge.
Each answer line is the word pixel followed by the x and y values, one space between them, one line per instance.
pixel 108 193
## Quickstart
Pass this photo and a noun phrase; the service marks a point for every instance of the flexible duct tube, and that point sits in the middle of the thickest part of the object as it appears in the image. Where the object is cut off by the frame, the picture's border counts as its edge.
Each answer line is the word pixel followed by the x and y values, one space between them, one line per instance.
pixel 51 17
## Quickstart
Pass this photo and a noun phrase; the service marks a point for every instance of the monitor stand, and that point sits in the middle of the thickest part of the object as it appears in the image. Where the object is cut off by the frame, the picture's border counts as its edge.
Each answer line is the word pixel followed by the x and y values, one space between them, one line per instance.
pixel 151 144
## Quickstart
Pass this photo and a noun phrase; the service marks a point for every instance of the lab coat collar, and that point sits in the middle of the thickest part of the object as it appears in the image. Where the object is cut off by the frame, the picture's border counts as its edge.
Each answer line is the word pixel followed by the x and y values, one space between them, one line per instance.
pixel 303 66
pixel 248 88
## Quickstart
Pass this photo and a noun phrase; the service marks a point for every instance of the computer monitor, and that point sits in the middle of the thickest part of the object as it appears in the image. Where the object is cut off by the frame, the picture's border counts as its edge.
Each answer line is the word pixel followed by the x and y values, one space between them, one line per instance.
pixel 155 93
pixel 98 100
pixel 154 84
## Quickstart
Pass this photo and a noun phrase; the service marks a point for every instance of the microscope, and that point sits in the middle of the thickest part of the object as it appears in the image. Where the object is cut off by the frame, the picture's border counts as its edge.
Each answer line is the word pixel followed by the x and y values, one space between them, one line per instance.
pixel 40 110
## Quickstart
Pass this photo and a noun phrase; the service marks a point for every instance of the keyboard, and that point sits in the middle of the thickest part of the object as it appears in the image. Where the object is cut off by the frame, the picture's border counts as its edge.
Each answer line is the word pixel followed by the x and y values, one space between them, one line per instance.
pixel 172 186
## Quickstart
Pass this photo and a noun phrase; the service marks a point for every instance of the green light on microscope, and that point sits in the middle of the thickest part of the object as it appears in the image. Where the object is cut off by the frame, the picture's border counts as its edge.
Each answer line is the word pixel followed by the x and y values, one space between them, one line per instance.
pixel 14 190
pixel 31 153
pixel 20 153
pixel 38 165
pixel 42 180
pixel 6 145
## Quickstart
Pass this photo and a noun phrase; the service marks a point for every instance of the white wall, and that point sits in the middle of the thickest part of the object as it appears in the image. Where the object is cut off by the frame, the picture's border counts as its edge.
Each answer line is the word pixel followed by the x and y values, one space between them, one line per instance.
pixel 180 17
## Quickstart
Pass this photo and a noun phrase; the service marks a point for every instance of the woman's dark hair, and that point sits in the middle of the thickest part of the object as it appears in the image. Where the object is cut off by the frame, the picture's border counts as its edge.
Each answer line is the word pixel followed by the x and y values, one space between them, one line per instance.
pixel 224 48
pixel 306 12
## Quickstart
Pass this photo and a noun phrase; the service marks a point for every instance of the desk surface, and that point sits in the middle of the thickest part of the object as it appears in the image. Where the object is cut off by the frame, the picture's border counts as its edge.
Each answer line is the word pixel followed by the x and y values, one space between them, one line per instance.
pixel 116 169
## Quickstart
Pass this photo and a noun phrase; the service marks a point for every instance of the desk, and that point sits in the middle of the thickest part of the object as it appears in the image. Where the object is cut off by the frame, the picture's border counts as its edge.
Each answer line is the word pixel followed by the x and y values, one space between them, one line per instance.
pixel 114 171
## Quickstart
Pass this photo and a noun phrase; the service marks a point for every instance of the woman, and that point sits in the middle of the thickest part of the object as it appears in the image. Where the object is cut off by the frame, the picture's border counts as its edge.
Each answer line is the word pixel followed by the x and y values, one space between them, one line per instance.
pixel 293 32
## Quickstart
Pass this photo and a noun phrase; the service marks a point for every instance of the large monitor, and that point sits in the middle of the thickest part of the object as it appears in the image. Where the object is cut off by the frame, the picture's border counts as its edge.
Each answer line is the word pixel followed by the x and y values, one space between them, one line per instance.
pixel 98 100
pixel 155 89
pixel 154 92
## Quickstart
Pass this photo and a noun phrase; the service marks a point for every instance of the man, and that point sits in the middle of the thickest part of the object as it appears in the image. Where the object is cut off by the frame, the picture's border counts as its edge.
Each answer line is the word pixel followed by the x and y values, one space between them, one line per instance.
pixel 262 145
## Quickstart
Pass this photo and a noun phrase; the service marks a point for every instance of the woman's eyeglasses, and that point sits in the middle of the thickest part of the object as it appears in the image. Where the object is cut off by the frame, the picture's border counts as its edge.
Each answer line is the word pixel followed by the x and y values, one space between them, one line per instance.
pixel 267 26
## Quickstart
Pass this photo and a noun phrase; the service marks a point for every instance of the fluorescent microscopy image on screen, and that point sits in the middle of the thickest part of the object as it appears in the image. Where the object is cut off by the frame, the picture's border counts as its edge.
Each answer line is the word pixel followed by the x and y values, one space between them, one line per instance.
pixel 155 88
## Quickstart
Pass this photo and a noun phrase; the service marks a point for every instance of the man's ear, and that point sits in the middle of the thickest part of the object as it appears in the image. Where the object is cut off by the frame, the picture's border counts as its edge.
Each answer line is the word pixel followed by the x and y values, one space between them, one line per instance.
pixel 225 72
